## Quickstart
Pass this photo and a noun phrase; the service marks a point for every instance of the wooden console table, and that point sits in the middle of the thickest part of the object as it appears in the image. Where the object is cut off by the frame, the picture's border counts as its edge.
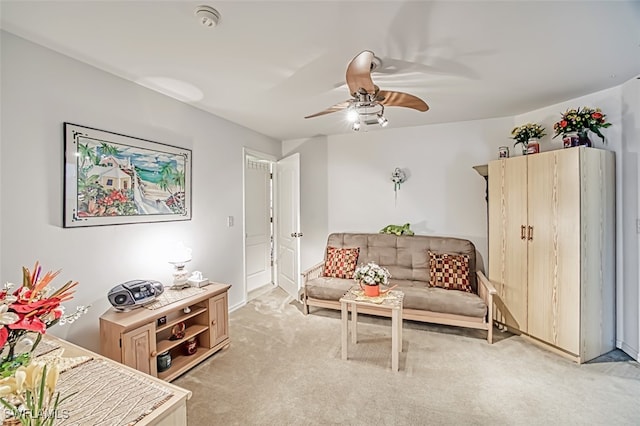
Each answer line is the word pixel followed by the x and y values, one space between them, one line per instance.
pixel 137 337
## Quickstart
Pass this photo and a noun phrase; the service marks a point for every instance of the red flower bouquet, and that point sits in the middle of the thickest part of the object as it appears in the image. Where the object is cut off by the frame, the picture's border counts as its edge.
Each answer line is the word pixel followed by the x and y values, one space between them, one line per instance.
pixel 581 120
pixel 31 308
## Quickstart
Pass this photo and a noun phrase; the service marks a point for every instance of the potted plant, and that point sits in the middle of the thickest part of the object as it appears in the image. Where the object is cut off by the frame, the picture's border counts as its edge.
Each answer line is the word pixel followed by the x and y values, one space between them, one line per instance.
pixel 528 134
pixel 370 276
pixel 575 124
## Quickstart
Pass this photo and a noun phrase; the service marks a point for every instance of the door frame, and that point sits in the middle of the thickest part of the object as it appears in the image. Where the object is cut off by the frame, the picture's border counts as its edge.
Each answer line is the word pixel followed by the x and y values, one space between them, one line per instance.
pixel 247 152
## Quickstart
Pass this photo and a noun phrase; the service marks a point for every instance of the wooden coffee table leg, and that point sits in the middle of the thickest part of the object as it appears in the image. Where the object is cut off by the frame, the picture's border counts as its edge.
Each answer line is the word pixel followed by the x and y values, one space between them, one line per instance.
pixel 400 330
pixel 394 339
pixel 354 323
pixel 345 318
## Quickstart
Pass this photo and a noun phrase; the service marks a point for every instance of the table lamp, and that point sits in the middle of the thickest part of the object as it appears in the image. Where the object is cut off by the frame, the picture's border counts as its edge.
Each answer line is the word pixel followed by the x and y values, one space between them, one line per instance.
pixel 179 258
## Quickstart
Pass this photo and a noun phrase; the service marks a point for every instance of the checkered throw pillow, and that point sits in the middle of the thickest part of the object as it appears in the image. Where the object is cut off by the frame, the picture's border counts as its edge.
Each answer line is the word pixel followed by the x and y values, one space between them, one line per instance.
pixel 341 262
pixel 449 271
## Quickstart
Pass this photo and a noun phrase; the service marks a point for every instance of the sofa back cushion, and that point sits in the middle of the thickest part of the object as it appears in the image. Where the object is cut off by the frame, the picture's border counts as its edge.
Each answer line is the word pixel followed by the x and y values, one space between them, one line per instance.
pixel 406 257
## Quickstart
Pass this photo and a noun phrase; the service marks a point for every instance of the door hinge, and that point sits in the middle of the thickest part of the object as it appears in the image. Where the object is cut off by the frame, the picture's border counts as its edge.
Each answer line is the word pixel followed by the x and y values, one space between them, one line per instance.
pixel 120 342
pixel 270 175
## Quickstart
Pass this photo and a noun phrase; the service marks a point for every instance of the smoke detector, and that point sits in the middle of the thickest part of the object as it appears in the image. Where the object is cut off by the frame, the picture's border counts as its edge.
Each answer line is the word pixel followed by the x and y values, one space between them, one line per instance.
pixel 207 16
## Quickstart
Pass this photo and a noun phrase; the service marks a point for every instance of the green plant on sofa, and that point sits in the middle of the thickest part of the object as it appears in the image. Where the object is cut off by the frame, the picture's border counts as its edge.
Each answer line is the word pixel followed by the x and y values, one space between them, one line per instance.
pixel 397 229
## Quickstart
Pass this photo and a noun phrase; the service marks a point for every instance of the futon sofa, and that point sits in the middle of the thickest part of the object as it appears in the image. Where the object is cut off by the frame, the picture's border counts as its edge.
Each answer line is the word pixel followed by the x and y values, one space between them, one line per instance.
pixel 417 264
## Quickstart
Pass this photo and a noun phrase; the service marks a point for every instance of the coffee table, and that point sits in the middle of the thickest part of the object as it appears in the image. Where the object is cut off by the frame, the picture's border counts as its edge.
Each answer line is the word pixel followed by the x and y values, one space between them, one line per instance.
pixel 391 301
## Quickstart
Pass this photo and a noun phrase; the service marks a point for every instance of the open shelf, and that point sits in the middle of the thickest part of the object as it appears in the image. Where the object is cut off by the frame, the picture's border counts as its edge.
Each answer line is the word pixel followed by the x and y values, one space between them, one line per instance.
pixel 191 331
pixel 180 363
pixel 194 312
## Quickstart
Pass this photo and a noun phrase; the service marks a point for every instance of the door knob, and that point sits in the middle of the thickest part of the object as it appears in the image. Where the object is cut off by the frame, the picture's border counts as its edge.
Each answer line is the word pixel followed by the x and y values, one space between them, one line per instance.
pixel 296 234
pixel 522 228
pixel 530 233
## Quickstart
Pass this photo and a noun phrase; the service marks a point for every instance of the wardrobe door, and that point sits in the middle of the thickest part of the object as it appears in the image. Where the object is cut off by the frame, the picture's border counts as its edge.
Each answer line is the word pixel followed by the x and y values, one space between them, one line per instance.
pixel 507 239
pixel 553 236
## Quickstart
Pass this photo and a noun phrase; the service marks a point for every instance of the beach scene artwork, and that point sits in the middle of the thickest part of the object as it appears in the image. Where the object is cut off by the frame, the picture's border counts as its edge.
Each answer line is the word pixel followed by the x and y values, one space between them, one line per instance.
pixel 120 177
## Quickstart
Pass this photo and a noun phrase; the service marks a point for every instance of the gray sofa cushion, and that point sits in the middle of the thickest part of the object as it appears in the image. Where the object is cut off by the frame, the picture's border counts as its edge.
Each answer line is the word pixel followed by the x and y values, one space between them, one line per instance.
pixel 416 296
pixel 328 288
pixel 436 299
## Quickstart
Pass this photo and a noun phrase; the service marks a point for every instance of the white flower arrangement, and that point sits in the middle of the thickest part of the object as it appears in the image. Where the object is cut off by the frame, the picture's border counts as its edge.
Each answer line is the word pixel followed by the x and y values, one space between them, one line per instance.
pixel 371 274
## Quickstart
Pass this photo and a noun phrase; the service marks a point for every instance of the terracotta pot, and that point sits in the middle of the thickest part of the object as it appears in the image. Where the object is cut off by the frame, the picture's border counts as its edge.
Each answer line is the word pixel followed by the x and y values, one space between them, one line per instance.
pixel 371 290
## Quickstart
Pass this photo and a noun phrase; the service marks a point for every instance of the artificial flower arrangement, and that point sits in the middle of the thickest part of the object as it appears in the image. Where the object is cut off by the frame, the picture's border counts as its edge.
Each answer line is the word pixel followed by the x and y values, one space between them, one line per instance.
pixel 522 134
pixel 26 389
pixel 30 394
pixel 371 274
pixel 581 120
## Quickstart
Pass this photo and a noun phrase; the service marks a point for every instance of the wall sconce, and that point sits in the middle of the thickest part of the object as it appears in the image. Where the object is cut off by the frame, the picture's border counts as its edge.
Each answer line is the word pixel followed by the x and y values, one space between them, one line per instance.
pixel 398 177
pixel 179 258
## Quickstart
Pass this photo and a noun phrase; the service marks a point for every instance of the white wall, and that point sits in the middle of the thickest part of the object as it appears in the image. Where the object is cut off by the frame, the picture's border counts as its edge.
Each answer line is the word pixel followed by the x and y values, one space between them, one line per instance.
pixel 629 293
pixel 443 194
pixel 41 89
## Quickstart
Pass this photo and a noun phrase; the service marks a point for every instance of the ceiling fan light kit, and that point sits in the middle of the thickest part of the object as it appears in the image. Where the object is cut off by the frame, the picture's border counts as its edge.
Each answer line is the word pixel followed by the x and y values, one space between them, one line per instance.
pixel 207 16
pixel 368 101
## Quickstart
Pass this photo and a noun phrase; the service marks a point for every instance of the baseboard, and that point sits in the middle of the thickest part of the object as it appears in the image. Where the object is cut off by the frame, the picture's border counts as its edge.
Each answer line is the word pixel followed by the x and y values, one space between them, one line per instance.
pixel 632 352
pixel 237 306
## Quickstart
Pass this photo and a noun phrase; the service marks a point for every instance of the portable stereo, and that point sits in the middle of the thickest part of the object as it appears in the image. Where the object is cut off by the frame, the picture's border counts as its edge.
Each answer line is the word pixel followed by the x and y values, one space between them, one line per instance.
pixel 133 294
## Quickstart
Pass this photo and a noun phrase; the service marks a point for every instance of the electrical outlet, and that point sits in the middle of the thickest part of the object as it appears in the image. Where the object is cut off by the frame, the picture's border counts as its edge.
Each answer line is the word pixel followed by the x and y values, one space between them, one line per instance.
pixel 229 221
pixel 638 226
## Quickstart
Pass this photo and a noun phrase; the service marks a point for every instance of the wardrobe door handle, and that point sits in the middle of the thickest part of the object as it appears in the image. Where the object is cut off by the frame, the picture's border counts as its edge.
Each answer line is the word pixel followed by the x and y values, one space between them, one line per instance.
pixel 530 233
pixel 522 228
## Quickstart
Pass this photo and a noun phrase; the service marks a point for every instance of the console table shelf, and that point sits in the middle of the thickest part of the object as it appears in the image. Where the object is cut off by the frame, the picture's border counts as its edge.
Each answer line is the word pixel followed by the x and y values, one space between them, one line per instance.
pixel 136 338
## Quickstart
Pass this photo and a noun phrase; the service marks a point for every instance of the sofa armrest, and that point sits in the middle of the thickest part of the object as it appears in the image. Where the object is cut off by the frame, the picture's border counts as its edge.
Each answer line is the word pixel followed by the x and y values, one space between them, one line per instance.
pixel 486 290
pixel 485 285
pixel 314 272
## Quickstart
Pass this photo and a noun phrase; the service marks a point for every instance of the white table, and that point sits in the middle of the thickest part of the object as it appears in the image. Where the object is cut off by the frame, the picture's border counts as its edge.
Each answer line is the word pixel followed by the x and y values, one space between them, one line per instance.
pixel 392 301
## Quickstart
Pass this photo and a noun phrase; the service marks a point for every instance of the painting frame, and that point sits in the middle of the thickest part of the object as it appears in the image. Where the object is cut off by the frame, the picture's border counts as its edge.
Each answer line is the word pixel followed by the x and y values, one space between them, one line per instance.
pixel 115 179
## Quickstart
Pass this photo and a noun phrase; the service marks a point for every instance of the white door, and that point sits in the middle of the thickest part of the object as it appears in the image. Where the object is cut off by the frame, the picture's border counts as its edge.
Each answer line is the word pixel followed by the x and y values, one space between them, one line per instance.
pixel 257 219
pixel 287 216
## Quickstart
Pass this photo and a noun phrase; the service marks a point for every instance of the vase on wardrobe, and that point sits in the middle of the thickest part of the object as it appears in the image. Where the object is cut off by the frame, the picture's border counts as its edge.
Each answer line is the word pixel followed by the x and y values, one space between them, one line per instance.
pixel 576 139
pixel 533 146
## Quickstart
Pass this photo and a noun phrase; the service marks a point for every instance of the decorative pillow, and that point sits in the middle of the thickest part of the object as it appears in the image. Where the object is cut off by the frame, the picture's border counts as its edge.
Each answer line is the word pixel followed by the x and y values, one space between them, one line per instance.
pixel 449 271
pixel 341 262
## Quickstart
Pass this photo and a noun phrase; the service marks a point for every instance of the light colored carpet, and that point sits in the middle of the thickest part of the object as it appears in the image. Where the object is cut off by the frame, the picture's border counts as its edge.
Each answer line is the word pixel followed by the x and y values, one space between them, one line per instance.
pixel 284 368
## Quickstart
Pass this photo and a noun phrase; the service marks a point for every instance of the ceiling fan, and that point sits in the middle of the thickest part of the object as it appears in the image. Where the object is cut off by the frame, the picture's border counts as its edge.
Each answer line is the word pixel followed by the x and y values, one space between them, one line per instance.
pixel 368 101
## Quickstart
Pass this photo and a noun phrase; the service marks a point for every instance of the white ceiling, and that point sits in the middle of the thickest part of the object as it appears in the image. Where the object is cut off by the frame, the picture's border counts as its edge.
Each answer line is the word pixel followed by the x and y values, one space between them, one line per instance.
pixel 268 64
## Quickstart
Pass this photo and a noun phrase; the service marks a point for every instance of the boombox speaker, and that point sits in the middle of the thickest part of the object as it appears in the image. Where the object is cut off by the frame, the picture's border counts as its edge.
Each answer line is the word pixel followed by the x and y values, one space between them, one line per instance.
pixel 133 294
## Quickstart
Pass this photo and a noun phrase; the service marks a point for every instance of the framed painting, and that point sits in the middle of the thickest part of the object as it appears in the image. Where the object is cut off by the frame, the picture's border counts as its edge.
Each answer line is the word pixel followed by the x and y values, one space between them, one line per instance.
pixel 113 179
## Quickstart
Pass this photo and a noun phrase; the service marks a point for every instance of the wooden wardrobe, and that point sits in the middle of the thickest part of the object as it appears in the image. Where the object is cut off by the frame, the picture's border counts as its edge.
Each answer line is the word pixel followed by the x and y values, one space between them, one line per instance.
pixel 552 248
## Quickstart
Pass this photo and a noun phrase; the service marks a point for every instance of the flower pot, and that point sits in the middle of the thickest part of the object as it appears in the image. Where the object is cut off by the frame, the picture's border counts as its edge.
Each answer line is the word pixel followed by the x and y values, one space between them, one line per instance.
pixel 533 146
pixel 583 138
pixel 576 139
pixel 370 290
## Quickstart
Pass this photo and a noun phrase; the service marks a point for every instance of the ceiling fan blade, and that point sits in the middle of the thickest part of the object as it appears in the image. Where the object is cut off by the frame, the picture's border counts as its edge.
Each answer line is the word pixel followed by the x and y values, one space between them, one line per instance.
pixel 401 99
pixel 359 73
pixel 334 108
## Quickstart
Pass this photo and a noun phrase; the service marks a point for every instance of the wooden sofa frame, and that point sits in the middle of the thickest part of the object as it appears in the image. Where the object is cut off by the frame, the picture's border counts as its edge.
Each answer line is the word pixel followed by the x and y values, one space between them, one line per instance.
pixel 486 290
